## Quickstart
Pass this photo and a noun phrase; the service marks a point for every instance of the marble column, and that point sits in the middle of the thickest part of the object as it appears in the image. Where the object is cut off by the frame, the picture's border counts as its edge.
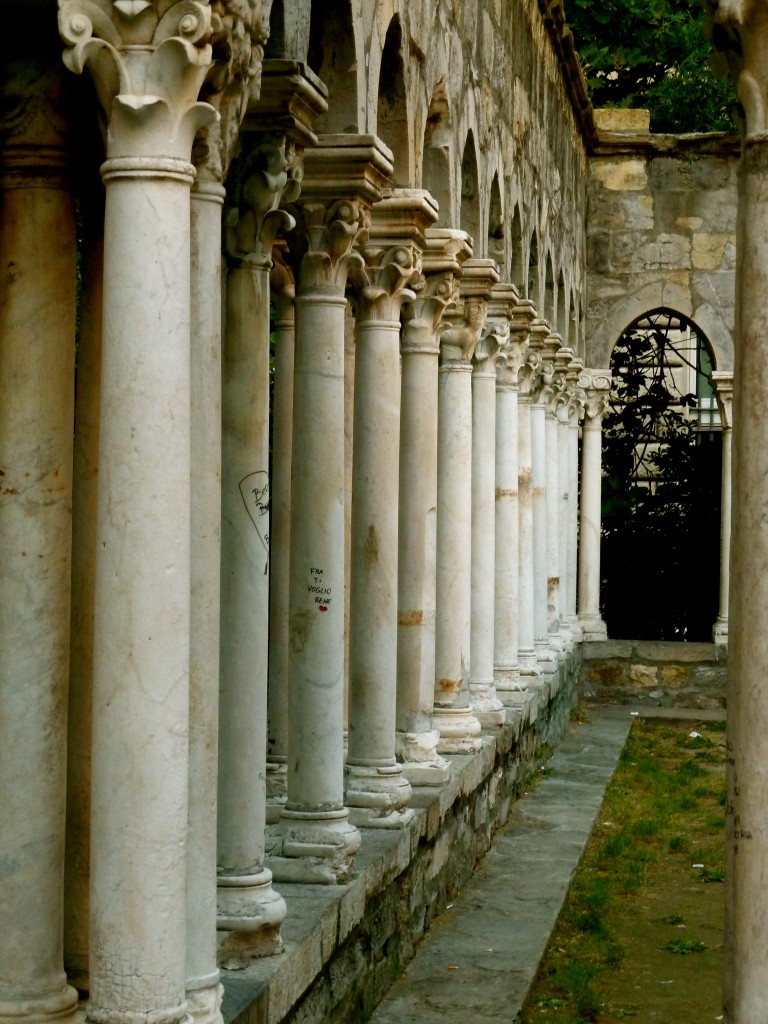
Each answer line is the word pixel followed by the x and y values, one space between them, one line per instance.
pixel 284 333
pixel 459 728
pixel 743 29
pixel 722 382
pixel 314 839
pixel 575 413
pixel 416 739
pixel 235 59
pixel 596 385
pixel 377 791
pixel 250 912
pixel 554 496
pixel 540 335
pixel 527 382
pixel 493 342
pixel 566 498
pixel 142 591
pixel 37 373
pixel 507 577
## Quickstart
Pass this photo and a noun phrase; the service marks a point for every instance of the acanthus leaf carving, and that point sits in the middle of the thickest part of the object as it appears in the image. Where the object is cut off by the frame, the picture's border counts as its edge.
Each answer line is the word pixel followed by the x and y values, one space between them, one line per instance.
pixel 148 67
pixel 382 281
pixel 459 340
pixel 323 243
pixel 493 340
pixel 596 386
pixel 423 311
pixel 262 179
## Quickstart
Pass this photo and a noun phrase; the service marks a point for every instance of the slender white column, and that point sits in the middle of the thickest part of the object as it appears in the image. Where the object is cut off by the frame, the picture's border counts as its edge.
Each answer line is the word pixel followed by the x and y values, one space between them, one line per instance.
pixel 204 990
pixel 283 295
pixel 743 30
pixel 565 499
pixel 540 334
pixel 249 909
pixel 722 381
pixel 553 496
pixel 377 791
pixel 575 412
pixel 314 840
pixel 494 339
pixel 85 482
pixel 507 597
pixel 453 717
pixel 142 594
pixel 596 385
pixel 37 366
pixel 416 739
pixel 527 379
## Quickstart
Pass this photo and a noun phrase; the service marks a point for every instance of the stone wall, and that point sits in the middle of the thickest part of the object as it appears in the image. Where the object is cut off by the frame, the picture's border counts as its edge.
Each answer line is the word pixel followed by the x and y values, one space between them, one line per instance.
pixel 661 232
pixel 654 672
pixel 344 945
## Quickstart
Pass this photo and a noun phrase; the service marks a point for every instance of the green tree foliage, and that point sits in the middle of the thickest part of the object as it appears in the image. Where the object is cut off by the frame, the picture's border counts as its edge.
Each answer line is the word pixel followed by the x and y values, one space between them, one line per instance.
pixel 652 54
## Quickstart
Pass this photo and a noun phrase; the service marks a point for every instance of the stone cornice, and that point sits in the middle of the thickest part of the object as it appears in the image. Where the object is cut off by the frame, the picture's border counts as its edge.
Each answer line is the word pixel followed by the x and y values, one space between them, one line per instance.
pixel 575 84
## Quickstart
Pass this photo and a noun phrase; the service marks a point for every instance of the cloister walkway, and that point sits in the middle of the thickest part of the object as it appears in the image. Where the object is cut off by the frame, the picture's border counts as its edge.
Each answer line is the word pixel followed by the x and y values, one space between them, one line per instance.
pixel 478 960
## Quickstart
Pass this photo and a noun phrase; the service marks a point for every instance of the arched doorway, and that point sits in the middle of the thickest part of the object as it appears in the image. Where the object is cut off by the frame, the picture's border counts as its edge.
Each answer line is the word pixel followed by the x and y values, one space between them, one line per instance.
pixel 662 453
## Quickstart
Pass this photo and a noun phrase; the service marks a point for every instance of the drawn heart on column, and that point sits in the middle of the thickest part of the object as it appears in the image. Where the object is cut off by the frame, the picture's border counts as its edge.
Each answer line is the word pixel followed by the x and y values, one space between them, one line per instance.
pixel 323 607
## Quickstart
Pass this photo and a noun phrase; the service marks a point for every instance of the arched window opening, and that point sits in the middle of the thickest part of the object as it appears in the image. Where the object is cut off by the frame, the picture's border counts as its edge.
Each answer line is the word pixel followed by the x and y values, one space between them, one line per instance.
pixel 549 309
pixel 436 160
pixel 532 279
pixel 562 323
pixel 392 119
pixel 469 218
pixel 331 55
pixel 517 272
pixel 496 243
pixel 276 46
pixel 662 458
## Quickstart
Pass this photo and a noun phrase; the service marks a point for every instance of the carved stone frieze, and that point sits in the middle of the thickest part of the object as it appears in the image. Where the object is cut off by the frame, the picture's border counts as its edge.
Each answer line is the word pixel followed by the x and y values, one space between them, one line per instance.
pixel 148 62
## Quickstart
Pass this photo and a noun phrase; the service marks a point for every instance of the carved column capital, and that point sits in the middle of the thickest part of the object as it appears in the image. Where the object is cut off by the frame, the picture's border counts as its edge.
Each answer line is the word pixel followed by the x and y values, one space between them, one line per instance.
pixel 596 385
pixel 545 367
pixel 148 61
pixel 282 285
pixel 739 31
pixel 261 179
pixel 343 176
pixel 237 42
pixel 554 378
pixel 722 382
pixel 434 290
pixel 467 318
pixel 563 359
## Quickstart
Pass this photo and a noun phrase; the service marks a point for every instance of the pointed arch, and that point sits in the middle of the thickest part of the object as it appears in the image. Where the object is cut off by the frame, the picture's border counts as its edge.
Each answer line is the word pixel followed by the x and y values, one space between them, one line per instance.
pixel 517 263
pixel 496 248
pixel 469 212
pixel 392 110
pixel 332 55
pixel 532 279
pixel 436 159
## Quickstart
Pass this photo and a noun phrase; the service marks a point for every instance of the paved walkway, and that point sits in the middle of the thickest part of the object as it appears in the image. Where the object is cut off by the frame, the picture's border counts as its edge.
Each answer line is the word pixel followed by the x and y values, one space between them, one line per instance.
pixel 479 958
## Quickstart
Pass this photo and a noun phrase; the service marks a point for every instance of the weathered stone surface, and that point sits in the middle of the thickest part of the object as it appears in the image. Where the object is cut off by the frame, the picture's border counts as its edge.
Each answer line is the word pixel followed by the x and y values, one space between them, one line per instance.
pixel 645 676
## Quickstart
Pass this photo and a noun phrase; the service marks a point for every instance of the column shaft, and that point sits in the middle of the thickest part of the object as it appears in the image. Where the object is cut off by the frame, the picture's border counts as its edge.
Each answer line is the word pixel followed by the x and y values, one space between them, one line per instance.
pixel 596 384
pixel 507 596
pixel 539 517
pixel 37 360
pixel 526 646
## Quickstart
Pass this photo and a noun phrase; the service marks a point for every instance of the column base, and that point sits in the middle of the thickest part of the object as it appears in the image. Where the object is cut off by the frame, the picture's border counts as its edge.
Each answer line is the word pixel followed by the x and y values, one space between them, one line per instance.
pixel 486 706
pixel 459 730
pixel 592 628
pixel 377 797
pixel 577 633
pixel 277 790
pixel 417 753
pixel 61 1007
pixel 545 656
pixel 720 631
pixel 204 997
pixel 248 919
pixel 529 667
pixel 307 846
pixel 506 678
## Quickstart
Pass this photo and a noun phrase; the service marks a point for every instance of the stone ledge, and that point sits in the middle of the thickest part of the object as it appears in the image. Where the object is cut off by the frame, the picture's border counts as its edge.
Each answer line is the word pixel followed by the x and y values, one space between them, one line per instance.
pixel 343 945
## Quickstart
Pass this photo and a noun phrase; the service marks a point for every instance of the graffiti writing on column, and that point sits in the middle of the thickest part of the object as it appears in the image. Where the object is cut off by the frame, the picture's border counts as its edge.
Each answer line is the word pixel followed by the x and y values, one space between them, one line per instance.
pixel 254 490
pixel 317 587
